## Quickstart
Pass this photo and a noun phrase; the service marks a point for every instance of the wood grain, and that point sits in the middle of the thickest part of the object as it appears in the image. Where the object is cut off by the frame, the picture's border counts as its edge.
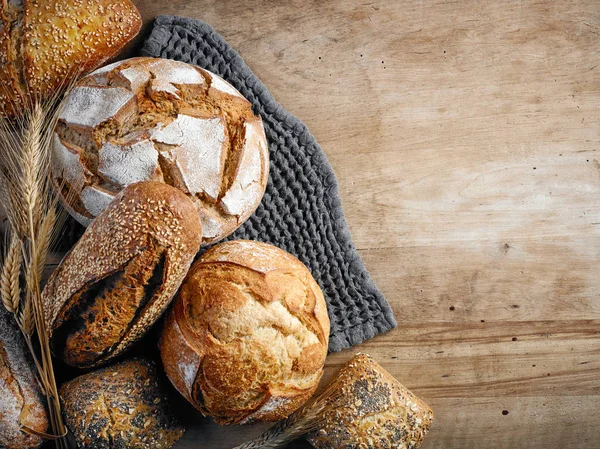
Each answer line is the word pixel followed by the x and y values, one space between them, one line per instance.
pixel 465 137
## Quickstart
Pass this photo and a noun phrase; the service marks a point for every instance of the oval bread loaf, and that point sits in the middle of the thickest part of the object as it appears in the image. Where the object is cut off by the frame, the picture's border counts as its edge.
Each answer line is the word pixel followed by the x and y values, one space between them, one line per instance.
pixel 44 43
pixel 121 406
pixel 366 407
pixel 161 120
pixel 122 274
pixel 246 338
pixel 20 396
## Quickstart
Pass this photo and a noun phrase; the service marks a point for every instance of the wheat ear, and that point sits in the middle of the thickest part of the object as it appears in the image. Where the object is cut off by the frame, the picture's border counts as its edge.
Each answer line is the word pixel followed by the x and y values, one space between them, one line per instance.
pixel 30 206
pixel 9 278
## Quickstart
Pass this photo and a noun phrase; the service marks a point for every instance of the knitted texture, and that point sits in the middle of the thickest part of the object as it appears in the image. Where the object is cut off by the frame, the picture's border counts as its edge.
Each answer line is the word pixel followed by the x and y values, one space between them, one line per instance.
pixel 301 211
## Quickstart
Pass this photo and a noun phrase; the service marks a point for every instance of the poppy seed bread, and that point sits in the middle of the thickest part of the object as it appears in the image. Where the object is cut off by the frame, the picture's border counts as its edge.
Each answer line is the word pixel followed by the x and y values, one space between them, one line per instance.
pixel 246 338
pixel 167 121
pixel 121 406
pixel 366 407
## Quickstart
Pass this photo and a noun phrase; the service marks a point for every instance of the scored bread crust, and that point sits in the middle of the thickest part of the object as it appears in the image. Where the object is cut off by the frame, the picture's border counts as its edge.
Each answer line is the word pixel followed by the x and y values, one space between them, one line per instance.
pixel 161 120
pixel 247 336
pixel 121 406
pixel 19 390
pixel 44 43
pixel 367 408
pixel 122 274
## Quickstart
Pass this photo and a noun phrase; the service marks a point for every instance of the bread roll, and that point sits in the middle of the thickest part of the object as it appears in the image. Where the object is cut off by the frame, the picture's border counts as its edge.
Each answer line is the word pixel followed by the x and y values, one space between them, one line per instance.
pixel 122 406
pixel 122 274
pixel 367 408
pixel 167 121
pixel 247 336
pixel 19 389
pixel 45 42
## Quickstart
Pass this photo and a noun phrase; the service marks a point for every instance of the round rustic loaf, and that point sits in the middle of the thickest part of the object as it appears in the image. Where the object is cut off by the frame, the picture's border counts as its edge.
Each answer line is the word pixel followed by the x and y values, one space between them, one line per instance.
pixel 246 338
pixel 45 43
pixel 121 406
pixel 161 120
pixel 122 274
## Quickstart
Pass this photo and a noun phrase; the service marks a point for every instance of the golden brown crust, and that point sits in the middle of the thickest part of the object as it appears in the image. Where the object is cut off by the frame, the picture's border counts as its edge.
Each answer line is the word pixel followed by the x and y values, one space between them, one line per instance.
pixel 20 396
pixel 120 406
pixel 168 121
pixel 58 40
pixel 247 336
pixel 122 274
pixel 11 16
pixel 369 409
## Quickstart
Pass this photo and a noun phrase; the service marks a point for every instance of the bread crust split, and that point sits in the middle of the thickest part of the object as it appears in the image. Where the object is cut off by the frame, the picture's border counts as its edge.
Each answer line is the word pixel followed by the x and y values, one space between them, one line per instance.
pixel 247 336
pixel 45 43
pixel 122 274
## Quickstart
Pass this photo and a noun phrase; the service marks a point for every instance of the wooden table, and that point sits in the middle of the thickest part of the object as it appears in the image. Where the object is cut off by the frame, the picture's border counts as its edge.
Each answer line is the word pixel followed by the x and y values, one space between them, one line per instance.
pixel 465 137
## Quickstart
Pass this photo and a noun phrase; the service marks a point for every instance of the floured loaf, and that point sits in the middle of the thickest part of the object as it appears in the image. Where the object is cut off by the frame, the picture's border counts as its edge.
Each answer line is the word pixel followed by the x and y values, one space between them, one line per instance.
pixel 21 401
pixel 167 121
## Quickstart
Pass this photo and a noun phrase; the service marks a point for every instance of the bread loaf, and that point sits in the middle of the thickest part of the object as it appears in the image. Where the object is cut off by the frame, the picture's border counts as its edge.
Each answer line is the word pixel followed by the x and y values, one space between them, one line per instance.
pixel 367 408
pixel 121 406
pixel 21 400
pixel 161 120
pixel 45 42
pixel 247 335
pixel 122 274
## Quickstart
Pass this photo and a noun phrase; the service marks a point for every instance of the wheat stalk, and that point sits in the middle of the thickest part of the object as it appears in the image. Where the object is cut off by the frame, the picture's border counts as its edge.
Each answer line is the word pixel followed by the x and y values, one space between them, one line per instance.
pixel 25 191
pixel 9 278
pixel 44 238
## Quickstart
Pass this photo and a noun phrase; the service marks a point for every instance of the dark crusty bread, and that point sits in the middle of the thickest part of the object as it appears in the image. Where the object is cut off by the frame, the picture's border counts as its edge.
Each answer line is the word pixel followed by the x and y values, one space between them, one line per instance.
pixel 369 409
pixel 121 406
pixel 20 396
pixel 122 274
pixel 148 119
pixel 247 336
pixel 44 42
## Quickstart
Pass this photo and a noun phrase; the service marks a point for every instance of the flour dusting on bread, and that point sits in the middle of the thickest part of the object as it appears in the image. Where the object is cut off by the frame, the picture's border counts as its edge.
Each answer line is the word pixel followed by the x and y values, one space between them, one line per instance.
pixel 126 164
pixel 90 106
pixel 96 199
pixel 200 153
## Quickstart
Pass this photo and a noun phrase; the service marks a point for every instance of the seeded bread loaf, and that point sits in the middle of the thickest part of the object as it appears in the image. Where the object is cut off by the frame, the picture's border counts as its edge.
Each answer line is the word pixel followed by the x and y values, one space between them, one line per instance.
pixel 21 400
pixel 368 409
pixel 122 274
pixel 246 338
pixel 121 406
pixel 43 43
pixel 167 121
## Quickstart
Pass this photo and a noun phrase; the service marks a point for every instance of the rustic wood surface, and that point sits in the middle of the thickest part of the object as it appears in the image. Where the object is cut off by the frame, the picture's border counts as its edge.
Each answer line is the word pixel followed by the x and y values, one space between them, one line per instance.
pixel 465 137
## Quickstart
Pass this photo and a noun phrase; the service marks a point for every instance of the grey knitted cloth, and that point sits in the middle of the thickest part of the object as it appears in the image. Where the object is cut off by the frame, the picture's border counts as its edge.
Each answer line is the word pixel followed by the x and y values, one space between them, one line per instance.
pixel 301 211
